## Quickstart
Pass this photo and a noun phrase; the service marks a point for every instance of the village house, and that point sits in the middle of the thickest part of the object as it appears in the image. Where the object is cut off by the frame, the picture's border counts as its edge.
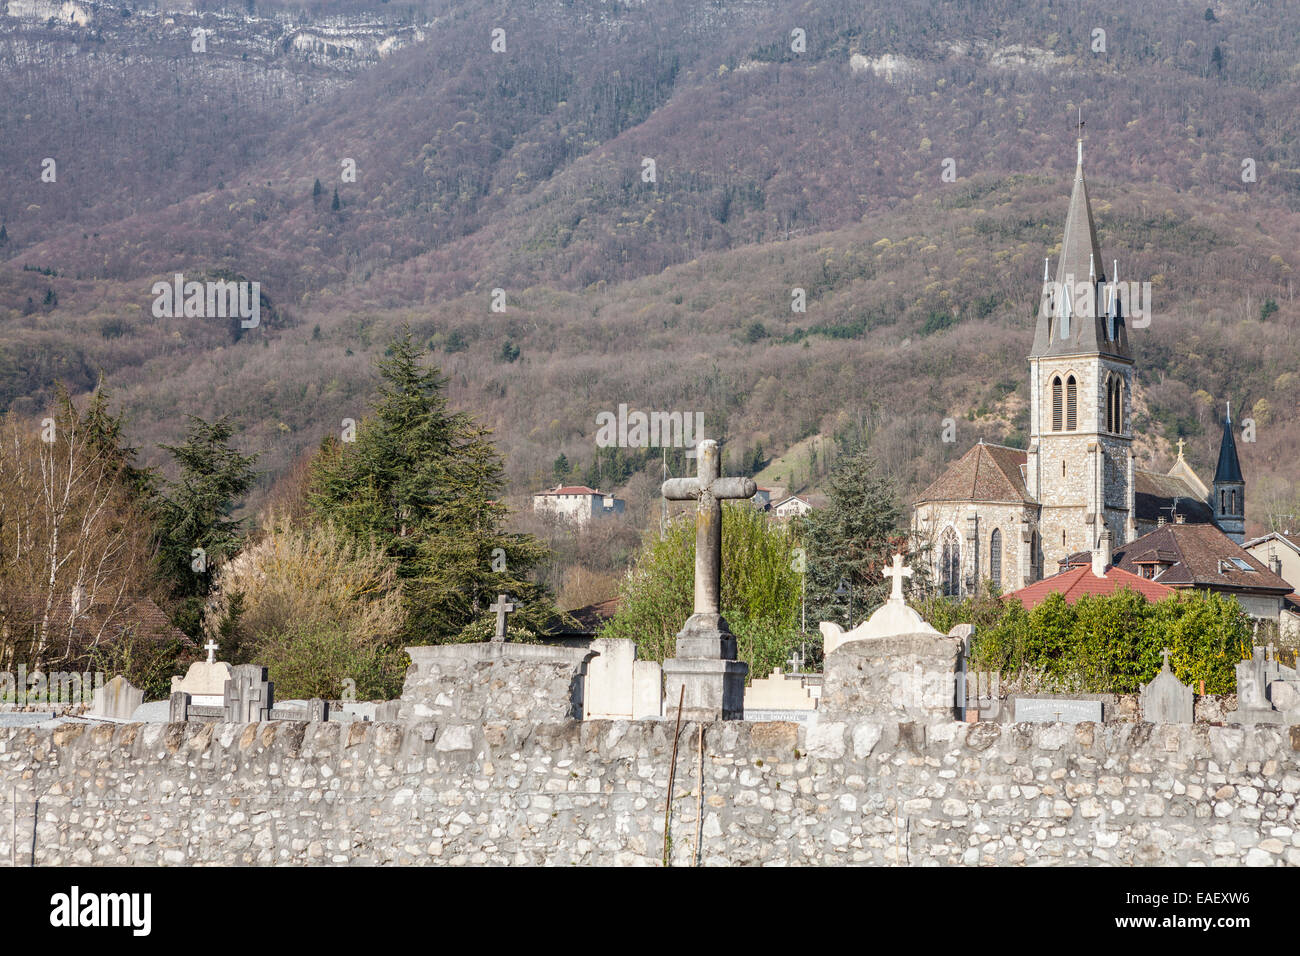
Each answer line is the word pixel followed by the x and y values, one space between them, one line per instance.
pixel 577 503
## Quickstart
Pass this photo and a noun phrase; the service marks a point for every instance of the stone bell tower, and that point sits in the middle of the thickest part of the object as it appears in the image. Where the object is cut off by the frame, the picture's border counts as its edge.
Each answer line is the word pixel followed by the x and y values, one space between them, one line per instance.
pixel 1079 465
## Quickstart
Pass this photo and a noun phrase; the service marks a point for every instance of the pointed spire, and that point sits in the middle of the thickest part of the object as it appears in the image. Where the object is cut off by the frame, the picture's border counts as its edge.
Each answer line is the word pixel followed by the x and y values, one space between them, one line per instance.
pixel 1229 468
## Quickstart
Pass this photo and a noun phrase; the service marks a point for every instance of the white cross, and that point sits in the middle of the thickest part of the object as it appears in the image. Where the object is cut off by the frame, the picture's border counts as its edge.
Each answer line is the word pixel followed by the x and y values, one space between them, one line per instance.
pixel 795 662
pixel 897 572
pixel 211 648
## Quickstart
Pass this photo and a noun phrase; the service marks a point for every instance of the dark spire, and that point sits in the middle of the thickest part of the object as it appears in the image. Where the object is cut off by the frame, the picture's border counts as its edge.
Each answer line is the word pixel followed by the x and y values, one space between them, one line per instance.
pixel 1229 469
pixel 1069 327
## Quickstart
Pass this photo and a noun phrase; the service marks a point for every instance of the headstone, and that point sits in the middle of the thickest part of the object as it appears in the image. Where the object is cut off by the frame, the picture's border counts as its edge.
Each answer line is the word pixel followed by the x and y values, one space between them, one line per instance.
pixel 1253 704
pixel 503 608
pixel 178 707
pixel 705 675
pixel 205 682
pixel 891 619
pixel 153 712
pixel 1047 710
pixel 647 690
pixel 778 692
pixel 117 700
pixel 610 680
pixel 1166 700
pixel 249 697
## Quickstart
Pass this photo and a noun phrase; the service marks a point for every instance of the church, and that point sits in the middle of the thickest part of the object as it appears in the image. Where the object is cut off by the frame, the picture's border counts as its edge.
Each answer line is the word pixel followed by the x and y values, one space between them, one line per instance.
pixel 1012 516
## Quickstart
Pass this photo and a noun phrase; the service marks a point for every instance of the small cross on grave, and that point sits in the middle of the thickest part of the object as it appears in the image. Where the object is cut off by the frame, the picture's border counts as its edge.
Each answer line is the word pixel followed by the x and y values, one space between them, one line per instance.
pixel 795 662
pixel 897 572
pixel 1165 655
pixel 211 648
pixel 502 608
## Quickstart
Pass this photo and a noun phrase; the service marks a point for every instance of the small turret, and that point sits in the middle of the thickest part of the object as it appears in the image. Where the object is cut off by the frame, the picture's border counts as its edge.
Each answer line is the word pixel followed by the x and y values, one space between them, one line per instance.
pixel 1229 487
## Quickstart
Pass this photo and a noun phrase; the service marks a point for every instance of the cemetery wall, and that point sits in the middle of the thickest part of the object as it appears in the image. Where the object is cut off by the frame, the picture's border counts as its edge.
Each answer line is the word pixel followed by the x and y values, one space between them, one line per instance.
pixel 593 792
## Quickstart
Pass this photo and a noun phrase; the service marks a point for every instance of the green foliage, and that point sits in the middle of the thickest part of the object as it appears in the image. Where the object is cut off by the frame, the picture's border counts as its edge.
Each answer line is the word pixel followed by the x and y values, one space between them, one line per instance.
pixel 1106 644
pixel 194 511
pixel 425 484
pixel 852 539
pixel 1267 309
pixel 318 658
pixel 760 589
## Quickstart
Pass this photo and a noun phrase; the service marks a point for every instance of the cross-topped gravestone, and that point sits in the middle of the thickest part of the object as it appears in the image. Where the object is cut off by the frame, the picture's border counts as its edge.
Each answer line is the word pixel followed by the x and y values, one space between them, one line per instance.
pixel 502 608
pixel 898 572
pixel 706 664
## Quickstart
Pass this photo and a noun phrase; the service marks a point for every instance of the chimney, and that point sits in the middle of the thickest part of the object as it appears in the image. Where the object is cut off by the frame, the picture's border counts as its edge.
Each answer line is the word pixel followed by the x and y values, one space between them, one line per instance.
pixel 1275 564
pixel 1101 555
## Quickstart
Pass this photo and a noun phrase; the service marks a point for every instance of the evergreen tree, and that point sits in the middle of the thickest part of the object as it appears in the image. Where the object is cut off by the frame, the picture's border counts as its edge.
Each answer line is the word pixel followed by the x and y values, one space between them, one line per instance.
pixel 335 204
pixel 425 484
pixel 561 468
pixel 103 430
pixel 195 512
pixel 316 191
pixel 1216 59
pixel 852 539
pixel 4 235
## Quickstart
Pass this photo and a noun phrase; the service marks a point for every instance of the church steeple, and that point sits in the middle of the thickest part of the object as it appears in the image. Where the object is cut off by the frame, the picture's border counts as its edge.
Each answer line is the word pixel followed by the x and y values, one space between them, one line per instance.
pixel 1076 313
pixel 1229 487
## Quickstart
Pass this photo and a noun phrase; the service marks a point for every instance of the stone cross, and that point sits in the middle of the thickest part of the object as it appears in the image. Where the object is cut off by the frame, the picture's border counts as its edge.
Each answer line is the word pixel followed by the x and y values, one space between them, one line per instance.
pixel 795 662
pixel 211 648
pixel 1180 447
pixel 502 608
pixel 897 572
pixel 1165 655
pixel 710 489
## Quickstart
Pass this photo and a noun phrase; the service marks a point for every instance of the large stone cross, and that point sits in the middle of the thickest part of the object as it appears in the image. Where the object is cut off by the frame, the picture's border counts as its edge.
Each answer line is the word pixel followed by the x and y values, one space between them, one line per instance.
pixel 710 489
pixel 897 572
pixel 502 608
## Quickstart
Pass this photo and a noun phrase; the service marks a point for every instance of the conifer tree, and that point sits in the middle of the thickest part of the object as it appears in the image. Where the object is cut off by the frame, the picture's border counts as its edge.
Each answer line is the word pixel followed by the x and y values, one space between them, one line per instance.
pixel 424 483
pixel 194 512
pixel 852 538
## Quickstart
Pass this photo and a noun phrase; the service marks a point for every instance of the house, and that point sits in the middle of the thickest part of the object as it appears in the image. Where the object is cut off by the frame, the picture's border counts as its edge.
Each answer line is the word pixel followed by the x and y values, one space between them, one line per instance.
pixel 577 628
pixel 1280 550
pixel 1098 577
pixel 796 505
pixel 1200 556
pixel 577 503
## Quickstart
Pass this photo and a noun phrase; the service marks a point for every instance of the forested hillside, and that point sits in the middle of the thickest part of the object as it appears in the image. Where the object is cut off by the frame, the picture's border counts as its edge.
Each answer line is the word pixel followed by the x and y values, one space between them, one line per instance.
pixel 792 146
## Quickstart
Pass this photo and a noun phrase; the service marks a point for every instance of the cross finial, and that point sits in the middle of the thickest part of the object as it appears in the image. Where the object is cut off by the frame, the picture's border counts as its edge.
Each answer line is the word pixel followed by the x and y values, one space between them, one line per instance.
pixel 1181 443
pixel 897 572
pixel 211 648
pixel 1080 136
pixel 1165 655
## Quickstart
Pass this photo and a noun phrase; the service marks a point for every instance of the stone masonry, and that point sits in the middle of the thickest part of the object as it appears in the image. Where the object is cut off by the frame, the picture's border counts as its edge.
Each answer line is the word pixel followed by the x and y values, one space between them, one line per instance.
pixel 566 791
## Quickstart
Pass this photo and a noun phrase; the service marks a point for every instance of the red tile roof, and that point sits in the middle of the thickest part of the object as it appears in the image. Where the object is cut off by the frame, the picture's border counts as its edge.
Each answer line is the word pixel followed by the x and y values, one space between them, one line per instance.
pixel 985 473
pixel 1079 581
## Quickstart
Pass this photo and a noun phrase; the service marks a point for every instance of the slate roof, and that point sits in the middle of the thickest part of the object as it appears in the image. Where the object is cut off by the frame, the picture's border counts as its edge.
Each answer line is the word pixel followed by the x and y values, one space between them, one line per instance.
pixel 1154 493
pixel 583 621
pixel 1229 468
pixel 1197 551
pixel 985 473
pixel 1079 581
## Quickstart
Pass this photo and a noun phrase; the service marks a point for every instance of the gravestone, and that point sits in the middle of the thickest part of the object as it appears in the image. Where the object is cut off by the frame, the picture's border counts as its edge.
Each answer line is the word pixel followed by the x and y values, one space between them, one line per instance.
pixel 610 686
pixel 1253 704
pixel 1063 710
pixel 205 681
pixel 249 697
pixel 647 690
pixel 704 675
pixel 1166 700
pixel 116 700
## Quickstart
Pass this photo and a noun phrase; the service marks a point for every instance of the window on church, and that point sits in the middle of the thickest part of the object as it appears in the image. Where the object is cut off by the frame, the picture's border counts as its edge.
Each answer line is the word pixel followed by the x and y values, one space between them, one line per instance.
pixel 1071 404
pixel 995 557
pixel 1114 405
pixel 1223 502
pixel 950 564
pixel 1056 404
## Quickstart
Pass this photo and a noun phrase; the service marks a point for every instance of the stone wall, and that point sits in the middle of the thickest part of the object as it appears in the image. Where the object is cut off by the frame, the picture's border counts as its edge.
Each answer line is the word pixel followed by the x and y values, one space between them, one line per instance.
pixel 849 791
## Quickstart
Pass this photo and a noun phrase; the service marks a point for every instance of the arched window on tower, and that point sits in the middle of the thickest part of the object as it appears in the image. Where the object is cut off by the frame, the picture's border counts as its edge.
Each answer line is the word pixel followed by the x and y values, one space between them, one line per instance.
pixel 995 557
pixel 1071 404
pixel 1056 404
pixel 1114 404
pixel 950 564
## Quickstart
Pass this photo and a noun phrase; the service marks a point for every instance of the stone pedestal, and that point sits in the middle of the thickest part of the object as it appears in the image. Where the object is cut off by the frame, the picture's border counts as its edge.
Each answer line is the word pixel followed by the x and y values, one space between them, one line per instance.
pixel 706 667
pixel 902 677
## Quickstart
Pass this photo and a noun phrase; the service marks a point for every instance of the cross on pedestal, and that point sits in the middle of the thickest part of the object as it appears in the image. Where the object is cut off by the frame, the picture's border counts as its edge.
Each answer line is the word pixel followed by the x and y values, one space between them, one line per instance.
pixel 502 608
pixel 211 648
pixel 898 572
pixel 705 675
pixel 710 489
